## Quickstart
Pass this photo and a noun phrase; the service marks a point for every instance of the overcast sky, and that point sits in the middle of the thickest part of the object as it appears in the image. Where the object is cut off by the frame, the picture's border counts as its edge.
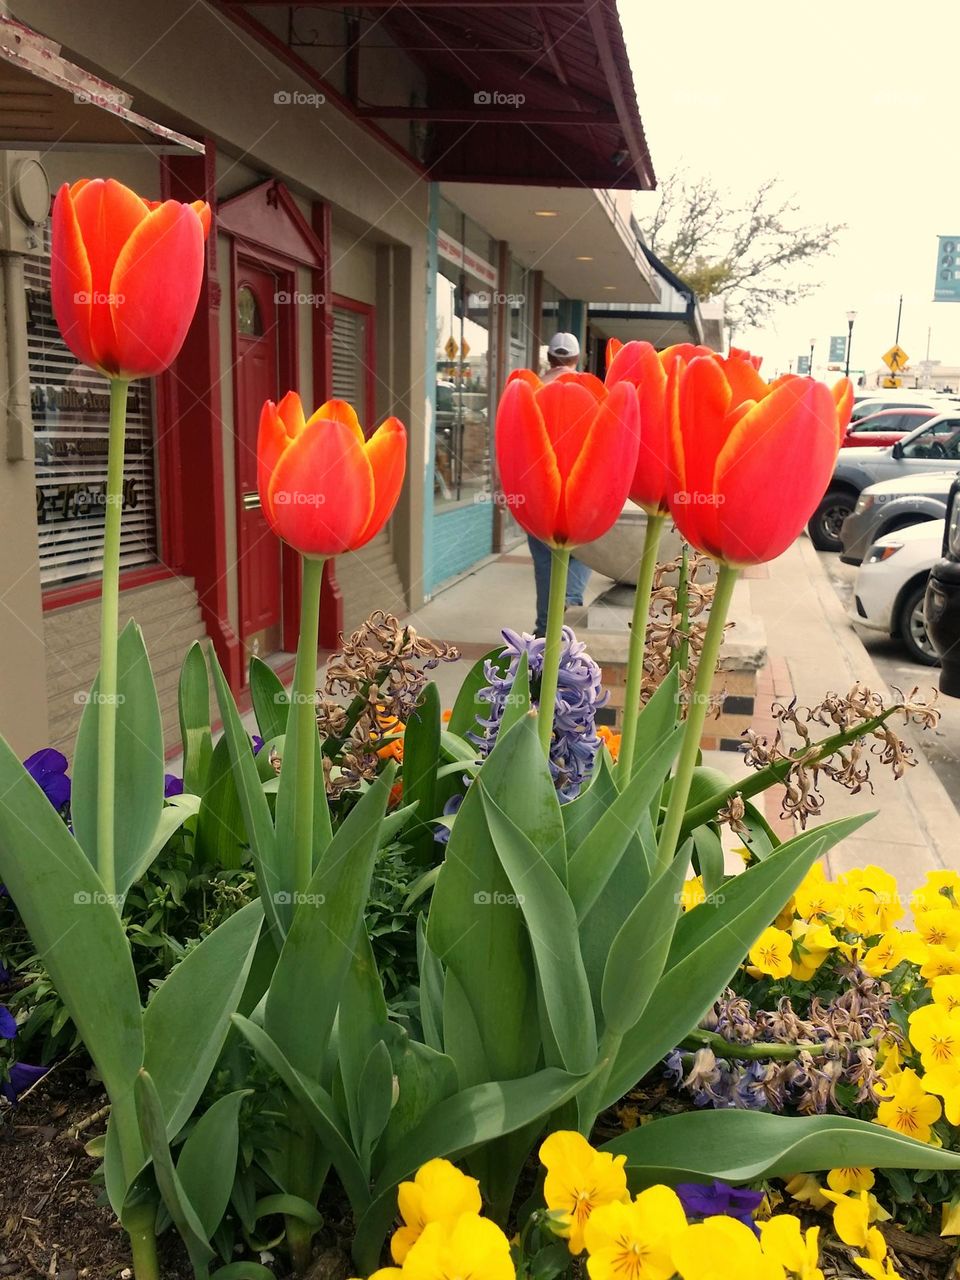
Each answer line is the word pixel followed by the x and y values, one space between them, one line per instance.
pixel 856 107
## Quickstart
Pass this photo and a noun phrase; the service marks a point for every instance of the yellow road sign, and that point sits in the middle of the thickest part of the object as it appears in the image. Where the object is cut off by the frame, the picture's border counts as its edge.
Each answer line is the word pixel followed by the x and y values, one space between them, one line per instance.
pixel 896 358
pixel 464 349
pixel 451 348
pixel 892 382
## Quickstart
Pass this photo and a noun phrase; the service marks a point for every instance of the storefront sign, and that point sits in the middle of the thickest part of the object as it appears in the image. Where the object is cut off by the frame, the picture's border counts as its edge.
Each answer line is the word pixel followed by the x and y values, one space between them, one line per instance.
pixel 466 259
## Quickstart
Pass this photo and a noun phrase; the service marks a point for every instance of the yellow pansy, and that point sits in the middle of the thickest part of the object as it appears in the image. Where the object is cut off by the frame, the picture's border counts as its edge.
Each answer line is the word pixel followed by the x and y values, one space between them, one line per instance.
pixel 860 913
pixel 883 886
pixel 692 893
pixel 386 1273
pixel 935 1034
pixel 851 1217
pixel 907 1107
pixel 439 1192
pixel 579 1180
pixel 890 1059
pixel 852 1179
pixel 817 897
pixel 469 1246
pixel 797 1251
pixel 946 991
pixel 940 889
pixel 940 961
pixel 812 944
pixel 939 928
pixel 885 954
pixel 950 1218
pixel 771 953
pixel 719 1248
pixel 632 1240
pixel 805 1188
pixel 876 1263
pixel 945 1081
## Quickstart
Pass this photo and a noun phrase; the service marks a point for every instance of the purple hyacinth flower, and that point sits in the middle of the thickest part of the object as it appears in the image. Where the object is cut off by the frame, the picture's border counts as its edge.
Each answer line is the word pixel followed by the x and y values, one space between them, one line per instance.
pixel 257 742
pixel 441 833
pixel 172 785
pixel 48 769
pixel 704 1200
pixel 8 1023
pixel 22 1076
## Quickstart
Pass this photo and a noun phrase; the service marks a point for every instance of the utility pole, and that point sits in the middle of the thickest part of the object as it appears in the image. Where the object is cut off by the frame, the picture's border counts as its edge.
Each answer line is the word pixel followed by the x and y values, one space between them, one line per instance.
pixel 899 314
pixel 851 316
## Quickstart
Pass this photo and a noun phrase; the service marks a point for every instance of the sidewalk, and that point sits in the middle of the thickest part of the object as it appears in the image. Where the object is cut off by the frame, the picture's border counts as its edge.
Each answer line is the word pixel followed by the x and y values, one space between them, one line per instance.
pixel 812 650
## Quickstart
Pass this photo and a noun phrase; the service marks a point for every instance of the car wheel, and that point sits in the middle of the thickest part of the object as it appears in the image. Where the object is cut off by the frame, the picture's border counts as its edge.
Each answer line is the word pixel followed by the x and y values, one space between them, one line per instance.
pixel 912 627
pixel 827 520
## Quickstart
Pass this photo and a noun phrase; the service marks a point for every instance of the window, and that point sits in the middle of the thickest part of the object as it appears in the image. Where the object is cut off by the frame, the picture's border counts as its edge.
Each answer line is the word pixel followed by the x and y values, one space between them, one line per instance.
pixel 882 422
pixel 70 410
pixel 249 321
pixel 350 372
pixel 940 440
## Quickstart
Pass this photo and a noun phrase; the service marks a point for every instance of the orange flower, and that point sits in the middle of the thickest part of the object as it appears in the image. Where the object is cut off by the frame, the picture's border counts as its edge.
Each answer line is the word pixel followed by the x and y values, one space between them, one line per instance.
pixel 323 487
pixel 607 736
pixel 750 460
pixel 566 453
pixel 125 275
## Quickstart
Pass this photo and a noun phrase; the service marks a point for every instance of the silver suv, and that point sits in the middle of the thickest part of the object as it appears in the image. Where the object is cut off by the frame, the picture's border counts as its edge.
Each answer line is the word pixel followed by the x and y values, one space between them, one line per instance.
pixel 933 447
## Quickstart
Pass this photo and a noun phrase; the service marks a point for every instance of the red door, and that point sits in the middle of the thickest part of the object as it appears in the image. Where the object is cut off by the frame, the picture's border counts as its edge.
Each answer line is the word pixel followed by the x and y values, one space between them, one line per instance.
pixel 257 380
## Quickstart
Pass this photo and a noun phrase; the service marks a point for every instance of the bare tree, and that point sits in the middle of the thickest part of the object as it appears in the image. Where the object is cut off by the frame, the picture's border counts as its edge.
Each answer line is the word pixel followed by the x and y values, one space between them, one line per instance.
pixel 747 253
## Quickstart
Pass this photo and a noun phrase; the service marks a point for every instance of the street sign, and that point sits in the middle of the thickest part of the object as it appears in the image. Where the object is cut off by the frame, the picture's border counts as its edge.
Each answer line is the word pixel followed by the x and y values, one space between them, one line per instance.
pixel 896 359
pixel 803 365
pixel 892 382
pixel 946 287
pixel 451 348
pixel 464 349
pixel 838 349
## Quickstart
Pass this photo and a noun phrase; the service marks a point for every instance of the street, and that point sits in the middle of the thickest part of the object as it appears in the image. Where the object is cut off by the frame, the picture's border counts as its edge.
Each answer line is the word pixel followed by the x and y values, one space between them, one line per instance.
pixel 941 745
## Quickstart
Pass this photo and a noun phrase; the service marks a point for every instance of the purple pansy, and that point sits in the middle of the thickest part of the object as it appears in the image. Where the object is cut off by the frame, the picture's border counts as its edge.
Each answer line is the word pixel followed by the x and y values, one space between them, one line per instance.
pixel 172 785
pixel 704 1200
pixel 8 1023
pixel 22 1076
pixel 257 742
pixel 48 769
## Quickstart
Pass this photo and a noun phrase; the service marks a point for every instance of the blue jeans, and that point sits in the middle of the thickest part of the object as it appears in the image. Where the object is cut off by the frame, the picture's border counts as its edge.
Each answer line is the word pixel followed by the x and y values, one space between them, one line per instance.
pixel 577 580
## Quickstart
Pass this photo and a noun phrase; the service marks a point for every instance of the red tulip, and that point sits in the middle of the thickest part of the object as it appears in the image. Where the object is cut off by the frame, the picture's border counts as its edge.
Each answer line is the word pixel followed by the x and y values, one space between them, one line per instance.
pixel 323 487
pixel 566 453
pixel 645 368
pixel 750 459
pixel 125 275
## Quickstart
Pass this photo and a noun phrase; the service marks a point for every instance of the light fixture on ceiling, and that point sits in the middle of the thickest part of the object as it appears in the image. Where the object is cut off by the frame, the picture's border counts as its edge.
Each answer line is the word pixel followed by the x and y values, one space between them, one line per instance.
pixel 584 257
pixel 545 213
pixel 610 287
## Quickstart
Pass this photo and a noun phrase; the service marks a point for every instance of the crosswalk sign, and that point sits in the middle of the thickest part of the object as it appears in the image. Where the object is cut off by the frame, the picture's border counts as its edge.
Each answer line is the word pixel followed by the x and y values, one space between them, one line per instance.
pixel 896 359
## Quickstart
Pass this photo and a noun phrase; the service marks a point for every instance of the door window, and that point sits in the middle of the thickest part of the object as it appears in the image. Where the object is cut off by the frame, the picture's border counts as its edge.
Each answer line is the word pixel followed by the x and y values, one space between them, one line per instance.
pixel 940 440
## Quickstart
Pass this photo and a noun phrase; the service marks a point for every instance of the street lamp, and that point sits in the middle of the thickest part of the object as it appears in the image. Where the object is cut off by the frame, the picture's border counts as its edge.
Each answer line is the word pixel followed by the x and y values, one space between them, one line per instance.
pixel 810 370
pixel 851 316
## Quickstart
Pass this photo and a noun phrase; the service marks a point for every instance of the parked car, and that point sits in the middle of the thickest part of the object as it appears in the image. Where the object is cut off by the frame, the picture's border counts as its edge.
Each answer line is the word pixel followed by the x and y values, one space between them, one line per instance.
pixel 892 505
pixel 868 403
pixel 942 607
pixel 892 583
pixel 936 442
pixel 878 430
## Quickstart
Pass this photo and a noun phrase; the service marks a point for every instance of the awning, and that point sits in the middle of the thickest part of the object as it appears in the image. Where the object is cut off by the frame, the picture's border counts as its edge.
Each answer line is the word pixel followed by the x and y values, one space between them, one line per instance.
pixel 47 101
pixel 516 92
pixel 676 317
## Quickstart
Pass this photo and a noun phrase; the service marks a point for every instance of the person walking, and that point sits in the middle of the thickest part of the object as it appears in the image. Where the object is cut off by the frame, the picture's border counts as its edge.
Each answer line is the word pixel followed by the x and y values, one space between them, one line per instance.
pixel 563 356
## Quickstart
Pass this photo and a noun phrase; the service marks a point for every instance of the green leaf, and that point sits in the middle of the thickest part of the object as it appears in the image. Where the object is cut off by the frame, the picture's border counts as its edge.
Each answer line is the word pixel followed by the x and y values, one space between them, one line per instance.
pixel 761 839
pixel 375 1098
pixel 272 878
pixel 709 944
pixel 581 815
pixel 656 719
pixel 297 740
pixel 461 1034
pixel 186 1022
pixel 709 858
pixel 431 989
pixel 290 1206
pixel 195 736
pixel 207 1164
pixel 552 927
pixel 172 818
pixel 318 950
pixel 421 760
pixel 222 837
pixel 76 932
pixel 601 848
pixel 467 707
pixel 271 702
pixel 139 762
pixel 185 1219
pixel 424 1078
pixel 360 1028
pixel 639 950
pixel 745 1146
pixel 518 699
pixel 243 1271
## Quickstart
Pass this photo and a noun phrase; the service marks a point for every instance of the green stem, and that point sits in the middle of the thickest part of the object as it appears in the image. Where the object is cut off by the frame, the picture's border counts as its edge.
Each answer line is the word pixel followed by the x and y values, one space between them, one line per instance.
pixel 759 1049
pixel 638 640
pixel 559 564
pixel 142 1233
pixel 109 606
pixel 696 715
pixel 303 695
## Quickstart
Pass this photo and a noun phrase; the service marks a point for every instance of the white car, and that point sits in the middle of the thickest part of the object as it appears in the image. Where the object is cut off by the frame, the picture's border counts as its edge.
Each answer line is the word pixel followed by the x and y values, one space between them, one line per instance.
pixel 891 584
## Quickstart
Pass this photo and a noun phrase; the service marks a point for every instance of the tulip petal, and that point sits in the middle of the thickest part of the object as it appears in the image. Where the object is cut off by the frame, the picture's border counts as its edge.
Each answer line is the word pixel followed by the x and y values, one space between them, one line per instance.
pixel 273 437
pixel 71 281
pixel 157 283
pixel 321 492
pixel 639 364
pixel 790 436
pixel 699 398
pixel 525 375
pixel 600 480
pixel 386 452
pixel 842 392
pixel 568 410
pixel 744 381
pixel 202 210
pixel 614 346
pixel 528 472
pixel 290 411
pixel 339 411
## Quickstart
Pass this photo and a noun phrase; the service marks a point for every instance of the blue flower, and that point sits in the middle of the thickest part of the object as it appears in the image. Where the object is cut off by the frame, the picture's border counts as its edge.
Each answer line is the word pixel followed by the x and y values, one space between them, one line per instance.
pixel 8 1024
pixel 172 785
pixel 441 832
pixel 704 1200
pixel 48 769
pixel 22 1076
pixel 257 742
pixel 575 743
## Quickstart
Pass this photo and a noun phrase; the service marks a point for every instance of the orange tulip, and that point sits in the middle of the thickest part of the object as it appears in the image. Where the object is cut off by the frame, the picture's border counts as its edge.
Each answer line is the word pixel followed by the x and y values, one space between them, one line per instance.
pixel 750 460
pixel 323 487
pixel 640 364
pixel 566 453
pixel 125 275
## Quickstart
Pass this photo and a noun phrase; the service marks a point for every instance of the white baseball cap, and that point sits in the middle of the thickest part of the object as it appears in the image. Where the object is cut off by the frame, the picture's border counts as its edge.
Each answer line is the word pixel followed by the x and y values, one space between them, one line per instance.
pixel 564 344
